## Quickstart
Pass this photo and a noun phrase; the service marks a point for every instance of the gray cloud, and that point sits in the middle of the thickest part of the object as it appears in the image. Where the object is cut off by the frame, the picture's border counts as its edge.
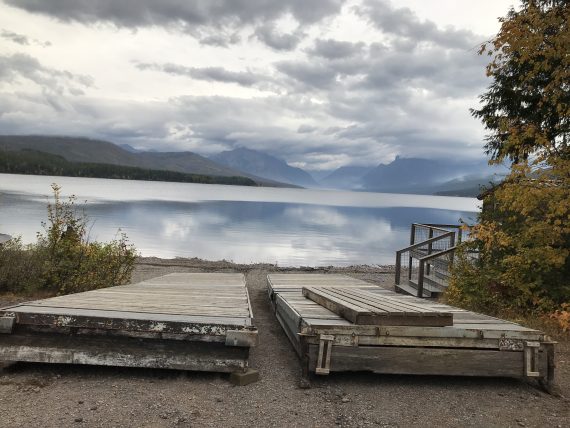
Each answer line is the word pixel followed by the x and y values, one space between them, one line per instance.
pixel 15 37
pixel 434 69
pixel 402 22
pixel 308 74
pixel 220 40
pixel 334 49
pixel 306 129
pixel 212 74
pixel 269 35
pixel 180 13
pixel 331 104
pixel 21 39
pixel 22 66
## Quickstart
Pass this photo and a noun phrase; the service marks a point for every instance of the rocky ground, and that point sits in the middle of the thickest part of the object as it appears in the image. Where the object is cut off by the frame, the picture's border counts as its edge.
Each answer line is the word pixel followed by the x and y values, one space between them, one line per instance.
pixel 57 396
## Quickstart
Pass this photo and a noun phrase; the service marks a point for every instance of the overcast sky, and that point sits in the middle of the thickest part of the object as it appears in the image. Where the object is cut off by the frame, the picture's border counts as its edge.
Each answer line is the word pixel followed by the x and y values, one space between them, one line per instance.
pixel 319 83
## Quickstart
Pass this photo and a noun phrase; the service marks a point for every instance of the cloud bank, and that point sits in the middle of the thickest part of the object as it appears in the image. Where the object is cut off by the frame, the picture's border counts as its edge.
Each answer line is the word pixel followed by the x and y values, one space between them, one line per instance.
pixel 322 83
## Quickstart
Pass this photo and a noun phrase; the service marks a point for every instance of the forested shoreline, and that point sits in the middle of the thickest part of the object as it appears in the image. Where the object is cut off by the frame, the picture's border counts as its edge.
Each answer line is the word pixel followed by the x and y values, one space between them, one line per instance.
pixel 34 162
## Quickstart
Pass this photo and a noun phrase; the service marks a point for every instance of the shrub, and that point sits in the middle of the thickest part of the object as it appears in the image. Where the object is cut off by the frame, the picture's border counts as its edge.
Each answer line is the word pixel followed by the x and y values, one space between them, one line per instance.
pixel 20 267
pixel 64 260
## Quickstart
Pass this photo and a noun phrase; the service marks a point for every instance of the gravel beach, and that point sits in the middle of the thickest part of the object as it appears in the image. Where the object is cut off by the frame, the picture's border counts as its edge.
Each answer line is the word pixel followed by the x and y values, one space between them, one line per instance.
pixel 59 396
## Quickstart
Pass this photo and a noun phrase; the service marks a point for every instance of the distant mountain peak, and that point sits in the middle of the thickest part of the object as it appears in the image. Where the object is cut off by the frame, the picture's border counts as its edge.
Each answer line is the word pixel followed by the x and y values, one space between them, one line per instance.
pixel 264 165
pixel 129 148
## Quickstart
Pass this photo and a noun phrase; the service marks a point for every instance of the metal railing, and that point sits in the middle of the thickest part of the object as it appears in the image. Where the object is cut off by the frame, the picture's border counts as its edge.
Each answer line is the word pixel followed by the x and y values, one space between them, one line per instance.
pixel 429 257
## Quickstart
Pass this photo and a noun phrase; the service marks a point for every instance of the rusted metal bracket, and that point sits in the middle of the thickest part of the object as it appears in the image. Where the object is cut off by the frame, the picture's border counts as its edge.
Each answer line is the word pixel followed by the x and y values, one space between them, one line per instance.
pixel 7 324
pixel 241 338
pixel 325 351
pixel 531 359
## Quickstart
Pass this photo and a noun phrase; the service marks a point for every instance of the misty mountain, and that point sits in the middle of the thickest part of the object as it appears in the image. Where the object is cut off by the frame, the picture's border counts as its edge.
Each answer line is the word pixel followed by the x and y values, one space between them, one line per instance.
pixel 470 186
pixel 264 165
pixel 129 148
pixel 97 151
pixel 345 177
pixel 414 175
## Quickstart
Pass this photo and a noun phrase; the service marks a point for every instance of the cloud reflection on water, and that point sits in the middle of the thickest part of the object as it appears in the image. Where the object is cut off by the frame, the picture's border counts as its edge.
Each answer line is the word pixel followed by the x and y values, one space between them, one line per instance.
pixel 289 233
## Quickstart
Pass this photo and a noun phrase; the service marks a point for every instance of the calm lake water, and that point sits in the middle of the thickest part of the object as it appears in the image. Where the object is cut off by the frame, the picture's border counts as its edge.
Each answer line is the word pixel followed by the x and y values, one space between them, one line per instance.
pixel 293 227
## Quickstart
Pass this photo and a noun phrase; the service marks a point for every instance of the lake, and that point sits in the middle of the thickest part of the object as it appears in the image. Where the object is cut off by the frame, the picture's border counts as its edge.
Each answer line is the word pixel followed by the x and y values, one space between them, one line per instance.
pixel 290 227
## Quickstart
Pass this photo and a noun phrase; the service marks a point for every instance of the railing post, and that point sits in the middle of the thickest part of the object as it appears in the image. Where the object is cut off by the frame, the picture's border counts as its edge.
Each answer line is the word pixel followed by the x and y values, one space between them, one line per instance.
pixel 421 279
pixel 413 234
pixel 398 267
pixel 430 248
pixel 412 242
pixel 452 242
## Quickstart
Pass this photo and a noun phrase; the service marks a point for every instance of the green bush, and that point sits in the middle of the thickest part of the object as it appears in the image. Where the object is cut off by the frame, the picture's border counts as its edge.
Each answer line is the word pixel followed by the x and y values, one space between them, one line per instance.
pixel 20 267
pixel 63 260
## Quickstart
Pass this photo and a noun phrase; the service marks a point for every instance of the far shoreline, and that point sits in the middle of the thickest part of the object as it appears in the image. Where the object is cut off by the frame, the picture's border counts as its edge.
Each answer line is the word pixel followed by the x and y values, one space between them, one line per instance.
pixel 199 263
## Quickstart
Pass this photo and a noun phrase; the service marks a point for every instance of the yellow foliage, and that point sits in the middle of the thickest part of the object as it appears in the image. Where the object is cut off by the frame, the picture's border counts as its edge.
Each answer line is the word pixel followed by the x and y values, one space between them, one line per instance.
pixel 523 232
pixel 562 317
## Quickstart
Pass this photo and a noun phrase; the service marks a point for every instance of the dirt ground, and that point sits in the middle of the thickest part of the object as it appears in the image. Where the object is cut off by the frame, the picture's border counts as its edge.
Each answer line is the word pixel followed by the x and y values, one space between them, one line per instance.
pixel 59 396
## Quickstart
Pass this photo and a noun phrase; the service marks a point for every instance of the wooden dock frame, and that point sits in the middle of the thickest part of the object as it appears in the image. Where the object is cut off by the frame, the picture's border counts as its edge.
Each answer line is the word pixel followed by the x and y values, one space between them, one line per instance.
pixel 476 345
pixel 167 322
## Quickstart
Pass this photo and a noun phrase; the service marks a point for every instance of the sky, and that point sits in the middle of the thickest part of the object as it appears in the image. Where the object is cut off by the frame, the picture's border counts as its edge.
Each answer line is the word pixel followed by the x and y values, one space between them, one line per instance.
pixel 319 83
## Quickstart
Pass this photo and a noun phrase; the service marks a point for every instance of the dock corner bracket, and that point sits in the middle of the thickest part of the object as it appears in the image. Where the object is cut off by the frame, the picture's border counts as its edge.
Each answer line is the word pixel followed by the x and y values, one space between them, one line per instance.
pixel 7 324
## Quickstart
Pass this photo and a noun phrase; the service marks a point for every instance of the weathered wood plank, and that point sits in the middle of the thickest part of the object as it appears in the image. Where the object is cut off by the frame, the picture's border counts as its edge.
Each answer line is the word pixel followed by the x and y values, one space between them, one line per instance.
pixel 123 352
pixel 430 342
pixel 288 314
pixel 427 361
pixel 180 321
pixel 191 298
pixel 317 326
pixel 148 308
pixel 355 308
pixel 114 320
pixel 476 345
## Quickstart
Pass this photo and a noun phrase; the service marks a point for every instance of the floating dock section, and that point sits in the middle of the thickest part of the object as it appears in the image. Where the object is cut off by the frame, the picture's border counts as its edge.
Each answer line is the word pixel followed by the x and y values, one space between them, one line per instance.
pixel 337 323
pixel 186 321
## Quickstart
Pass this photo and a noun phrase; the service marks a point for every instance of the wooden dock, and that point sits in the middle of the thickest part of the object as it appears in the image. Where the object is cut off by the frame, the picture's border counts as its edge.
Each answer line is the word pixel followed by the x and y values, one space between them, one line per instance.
pixel 186 321
pixel 474 345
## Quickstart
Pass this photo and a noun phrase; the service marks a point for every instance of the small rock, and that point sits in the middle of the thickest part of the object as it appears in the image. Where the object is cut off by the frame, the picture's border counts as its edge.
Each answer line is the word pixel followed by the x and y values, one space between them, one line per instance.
pixel 345 399
pixel 521 423
pixel 36 389
pixel 78 419
pixel 163 416
pixel 93 408
pixel 80 402
pixel 219 399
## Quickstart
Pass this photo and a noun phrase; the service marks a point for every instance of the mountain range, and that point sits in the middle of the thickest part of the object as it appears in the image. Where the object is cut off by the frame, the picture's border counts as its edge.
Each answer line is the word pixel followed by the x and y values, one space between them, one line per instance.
pixel 416 175
pixel 451 177
pixel 264 165
pixel 97 151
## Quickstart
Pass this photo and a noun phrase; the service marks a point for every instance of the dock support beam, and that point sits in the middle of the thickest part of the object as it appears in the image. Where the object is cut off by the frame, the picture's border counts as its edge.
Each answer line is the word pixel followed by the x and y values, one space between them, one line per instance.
pixel 547 383
pixel 305 381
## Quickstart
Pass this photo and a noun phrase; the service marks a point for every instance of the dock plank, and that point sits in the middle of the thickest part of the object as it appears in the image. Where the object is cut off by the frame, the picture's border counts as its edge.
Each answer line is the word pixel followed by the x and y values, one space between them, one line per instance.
pixel 362 308
pixel 474 345
pixel 218 298
pixel 186 321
